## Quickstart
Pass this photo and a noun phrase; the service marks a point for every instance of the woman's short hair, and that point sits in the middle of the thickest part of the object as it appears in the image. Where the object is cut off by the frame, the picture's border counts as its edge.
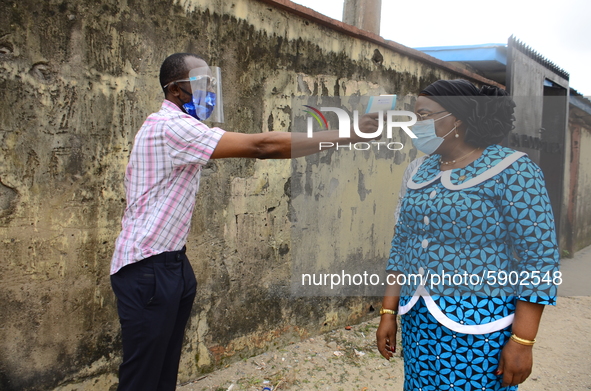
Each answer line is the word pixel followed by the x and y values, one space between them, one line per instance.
pixel 487 112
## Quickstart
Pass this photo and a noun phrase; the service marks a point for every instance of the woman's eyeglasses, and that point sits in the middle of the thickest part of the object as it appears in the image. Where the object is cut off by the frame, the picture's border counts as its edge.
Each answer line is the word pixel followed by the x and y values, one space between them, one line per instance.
pixel 422 117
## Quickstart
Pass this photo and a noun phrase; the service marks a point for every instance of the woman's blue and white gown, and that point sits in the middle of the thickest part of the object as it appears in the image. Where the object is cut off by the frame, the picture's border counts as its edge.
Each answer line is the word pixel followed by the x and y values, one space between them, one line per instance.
pixel 470 242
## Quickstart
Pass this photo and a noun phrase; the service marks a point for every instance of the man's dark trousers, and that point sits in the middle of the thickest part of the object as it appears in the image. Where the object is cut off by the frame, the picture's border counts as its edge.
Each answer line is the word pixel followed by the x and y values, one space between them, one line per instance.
pixel 154 301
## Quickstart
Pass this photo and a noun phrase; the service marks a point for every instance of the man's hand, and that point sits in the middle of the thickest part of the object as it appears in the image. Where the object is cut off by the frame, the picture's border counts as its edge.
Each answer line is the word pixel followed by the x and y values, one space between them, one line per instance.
pixel 515 364
pixel 368 123
pixel 386 335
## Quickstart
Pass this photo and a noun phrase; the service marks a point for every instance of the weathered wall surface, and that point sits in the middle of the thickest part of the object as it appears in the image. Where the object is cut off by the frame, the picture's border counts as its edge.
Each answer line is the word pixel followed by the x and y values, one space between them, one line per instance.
pixel 580 211
pixel 541 124
pixel 77 80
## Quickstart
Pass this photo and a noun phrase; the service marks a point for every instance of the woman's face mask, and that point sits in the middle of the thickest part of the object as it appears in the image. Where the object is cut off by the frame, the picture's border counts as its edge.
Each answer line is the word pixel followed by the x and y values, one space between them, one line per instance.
pixel 427 140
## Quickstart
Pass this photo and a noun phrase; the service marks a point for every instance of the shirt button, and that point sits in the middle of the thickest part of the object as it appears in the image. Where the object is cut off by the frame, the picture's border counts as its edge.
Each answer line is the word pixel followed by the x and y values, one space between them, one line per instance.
pixel 425 243
pixel 433 194
pixel 426 220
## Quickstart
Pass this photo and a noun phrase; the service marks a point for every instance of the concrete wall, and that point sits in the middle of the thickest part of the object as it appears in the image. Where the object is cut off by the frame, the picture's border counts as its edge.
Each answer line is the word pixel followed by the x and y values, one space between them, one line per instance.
pixel 77 80
pixel 580 174
pixel 541 124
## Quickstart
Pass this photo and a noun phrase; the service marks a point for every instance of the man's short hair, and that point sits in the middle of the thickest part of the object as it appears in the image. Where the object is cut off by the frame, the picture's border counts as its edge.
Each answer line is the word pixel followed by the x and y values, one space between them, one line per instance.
pixel 175 68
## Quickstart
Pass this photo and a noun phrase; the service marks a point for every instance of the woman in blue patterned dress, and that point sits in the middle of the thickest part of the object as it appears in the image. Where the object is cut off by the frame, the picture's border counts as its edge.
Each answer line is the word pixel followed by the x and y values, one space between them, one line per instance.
pixel 474 258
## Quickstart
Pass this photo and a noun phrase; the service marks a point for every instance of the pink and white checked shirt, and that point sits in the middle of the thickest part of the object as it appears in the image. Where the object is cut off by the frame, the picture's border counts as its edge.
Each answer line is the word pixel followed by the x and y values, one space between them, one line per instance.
pixel 161 181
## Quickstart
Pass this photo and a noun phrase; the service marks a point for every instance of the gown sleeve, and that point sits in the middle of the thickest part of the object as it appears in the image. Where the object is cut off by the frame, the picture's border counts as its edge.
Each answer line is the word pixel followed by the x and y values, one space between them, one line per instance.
pixel 527 211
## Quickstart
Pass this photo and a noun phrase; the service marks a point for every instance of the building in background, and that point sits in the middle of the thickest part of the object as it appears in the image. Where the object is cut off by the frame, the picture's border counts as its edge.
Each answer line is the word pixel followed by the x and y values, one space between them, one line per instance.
pixel 551 125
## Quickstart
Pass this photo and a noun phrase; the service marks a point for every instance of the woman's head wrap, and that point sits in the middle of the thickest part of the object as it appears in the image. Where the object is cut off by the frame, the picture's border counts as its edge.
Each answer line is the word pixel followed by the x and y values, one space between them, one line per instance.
pixel 487 112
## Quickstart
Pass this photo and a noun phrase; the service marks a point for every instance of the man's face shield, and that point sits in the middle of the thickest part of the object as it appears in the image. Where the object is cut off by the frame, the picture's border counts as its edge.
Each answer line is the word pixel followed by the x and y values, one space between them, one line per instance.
pixel 206 94
pixel 206 88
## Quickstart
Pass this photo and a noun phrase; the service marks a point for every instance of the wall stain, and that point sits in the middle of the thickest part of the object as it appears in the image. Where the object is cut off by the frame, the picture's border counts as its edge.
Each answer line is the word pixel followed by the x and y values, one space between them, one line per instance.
pixel 78 80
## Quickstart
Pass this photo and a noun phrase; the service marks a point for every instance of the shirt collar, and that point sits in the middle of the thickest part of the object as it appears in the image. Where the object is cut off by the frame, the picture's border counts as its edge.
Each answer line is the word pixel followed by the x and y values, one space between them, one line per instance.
pixel 169 106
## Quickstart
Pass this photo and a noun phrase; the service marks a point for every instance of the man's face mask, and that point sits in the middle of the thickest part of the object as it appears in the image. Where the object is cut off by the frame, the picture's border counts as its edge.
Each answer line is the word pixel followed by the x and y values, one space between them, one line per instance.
pixel 206 94
pixel 201 104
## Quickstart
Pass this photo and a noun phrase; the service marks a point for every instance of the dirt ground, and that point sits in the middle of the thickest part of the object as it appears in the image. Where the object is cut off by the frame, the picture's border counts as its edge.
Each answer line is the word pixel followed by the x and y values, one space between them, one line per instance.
pixel 348 360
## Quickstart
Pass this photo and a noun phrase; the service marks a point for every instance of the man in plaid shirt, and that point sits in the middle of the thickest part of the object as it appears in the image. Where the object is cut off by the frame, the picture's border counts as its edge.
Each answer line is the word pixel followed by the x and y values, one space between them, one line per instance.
pixel 150 273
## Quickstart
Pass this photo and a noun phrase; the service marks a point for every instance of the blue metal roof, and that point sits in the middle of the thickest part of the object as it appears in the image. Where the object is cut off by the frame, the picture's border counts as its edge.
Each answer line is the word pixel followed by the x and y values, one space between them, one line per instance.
pixel 489 59
pixel 471 53
pixel 581 102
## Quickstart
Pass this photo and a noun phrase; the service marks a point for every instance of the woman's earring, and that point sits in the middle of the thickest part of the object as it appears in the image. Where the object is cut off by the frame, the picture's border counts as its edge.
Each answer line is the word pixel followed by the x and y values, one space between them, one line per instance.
pixel 456 129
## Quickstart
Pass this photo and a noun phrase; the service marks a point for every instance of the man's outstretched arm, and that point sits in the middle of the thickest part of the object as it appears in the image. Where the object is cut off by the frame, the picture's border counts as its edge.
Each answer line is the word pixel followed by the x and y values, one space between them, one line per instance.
pixel 285 145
